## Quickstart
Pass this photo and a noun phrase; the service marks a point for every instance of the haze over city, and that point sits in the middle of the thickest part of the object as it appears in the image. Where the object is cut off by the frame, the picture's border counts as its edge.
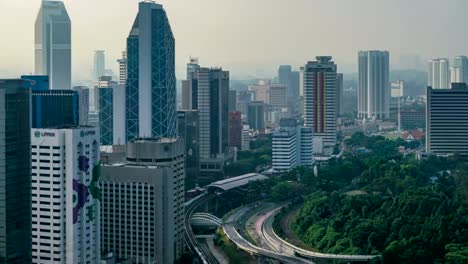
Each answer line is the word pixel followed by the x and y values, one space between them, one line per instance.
pixel 250 37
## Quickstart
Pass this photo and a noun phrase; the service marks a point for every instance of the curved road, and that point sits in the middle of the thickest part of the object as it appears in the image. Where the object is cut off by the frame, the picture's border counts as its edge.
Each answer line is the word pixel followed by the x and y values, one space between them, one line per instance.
pixel 231 229
pixel 266 224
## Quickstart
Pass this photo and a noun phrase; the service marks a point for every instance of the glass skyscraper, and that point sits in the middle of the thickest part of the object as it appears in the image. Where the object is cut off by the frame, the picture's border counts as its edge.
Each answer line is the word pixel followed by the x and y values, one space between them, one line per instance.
pixel 53 44
pixel 151 82
pixel 15 172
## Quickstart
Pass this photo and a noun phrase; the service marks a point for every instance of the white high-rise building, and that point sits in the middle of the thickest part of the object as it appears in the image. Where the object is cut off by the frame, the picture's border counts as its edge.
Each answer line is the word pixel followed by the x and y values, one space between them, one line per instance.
pixel 143 202
pixel 438 73
pixel 246 137
pixel 53 44
pixel 320 103
pixel 65 195
pixel 292 146
pixel 374 84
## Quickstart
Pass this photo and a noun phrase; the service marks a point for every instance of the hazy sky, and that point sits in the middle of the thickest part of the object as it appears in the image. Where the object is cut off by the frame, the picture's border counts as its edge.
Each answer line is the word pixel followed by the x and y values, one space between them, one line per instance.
pixel 249 37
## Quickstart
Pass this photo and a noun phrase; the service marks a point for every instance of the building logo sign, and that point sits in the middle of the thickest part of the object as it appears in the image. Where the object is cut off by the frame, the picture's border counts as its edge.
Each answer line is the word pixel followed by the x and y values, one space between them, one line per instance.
pixel 87 133
pixel 38 134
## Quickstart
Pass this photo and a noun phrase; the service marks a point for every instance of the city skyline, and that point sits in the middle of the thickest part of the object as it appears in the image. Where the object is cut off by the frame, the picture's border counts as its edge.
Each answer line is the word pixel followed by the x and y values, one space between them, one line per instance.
pixel 401 30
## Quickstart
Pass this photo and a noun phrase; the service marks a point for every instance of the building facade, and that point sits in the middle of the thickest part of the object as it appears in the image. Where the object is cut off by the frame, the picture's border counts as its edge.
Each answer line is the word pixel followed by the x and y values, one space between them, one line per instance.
pixel 83 104
pixel 143 198
pixel 111 108
pixel 65 195
pixel 447 120
pixel 213 109
pixel 123 68
pixel 188 126
pixel 374 84
pixel 459 70
pixel 235 129
pixel 151 82
pixel 53 44
pixel 339 94
pixel 99 69
pixel 320 102
pixel 15 172
pixel 256 115
pixel 439 73
pixel 292 146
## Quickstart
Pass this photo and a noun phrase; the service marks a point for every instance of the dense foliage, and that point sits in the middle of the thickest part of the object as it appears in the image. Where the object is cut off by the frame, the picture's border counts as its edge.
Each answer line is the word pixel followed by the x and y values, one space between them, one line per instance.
pixel 380 202
pixel 251 160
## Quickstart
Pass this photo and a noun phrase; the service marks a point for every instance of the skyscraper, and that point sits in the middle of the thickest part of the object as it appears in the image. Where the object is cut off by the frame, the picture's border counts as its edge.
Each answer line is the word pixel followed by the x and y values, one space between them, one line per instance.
pixel 339 94
pixel 256 115
pixel 15 172
pixel 111 107
pixel 99 64
pixel 374 84
pixel 447 120
pixel 188 126
pixel 284 72
pixel 459 70
pixel 235 129
pixel 148 191
pixel 438 73
pixel 83 104
pixel 151 83
pixel 213 108
pixel 66 194
pixel 53 44
pixel 320 102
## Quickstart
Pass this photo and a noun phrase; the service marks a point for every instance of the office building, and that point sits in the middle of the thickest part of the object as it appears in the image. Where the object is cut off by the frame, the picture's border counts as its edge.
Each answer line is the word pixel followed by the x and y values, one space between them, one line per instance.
pixel 447 120
pixel 53 44
pixel 188 125
pixel 235 129
pixel 123 68
pixel 111 108
pixel 459 70
pixel 15 172
pixel 438 73
pixel 260 91
pixel 277 95
pixel 65 195
pixel 151 82
pixel 232 100
pixel 339 94
pixel 192 66
pixel 186 95
pixel 411 119
pixel 152 178
pixel 374 84
pixel 397 89
pixel 292 146
pixel 51 108
pixel 256 115
pixel 293 86
pixel 83 104
pixel 246 138
pixel 99 69
pixel 213 100
pixel 320 104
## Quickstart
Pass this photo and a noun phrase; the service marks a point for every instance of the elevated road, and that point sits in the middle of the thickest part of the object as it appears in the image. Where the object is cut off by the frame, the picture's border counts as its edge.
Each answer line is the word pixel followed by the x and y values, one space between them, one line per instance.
pixel 190 239
pixel 287 248
pixel 231 226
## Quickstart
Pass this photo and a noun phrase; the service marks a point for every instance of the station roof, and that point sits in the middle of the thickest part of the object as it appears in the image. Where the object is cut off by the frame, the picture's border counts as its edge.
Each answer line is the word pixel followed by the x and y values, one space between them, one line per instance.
pixel 235 182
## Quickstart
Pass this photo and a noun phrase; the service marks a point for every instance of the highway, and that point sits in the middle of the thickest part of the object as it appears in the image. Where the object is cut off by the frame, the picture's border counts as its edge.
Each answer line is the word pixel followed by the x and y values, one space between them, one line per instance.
pixel 284 247
pixel 190 239
pixel 231 226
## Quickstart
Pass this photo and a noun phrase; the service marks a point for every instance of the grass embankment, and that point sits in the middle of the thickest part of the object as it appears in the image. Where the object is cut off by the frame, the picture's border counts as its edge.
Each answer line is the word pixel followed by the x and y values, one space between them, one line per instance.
pixel 234 254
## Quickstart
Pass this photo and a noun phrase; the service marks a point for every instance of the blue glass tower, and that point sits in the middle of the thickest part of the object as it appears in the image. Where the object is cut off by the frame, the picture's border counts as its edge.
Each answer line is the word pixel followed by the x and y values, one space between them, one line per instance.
pixel 151 83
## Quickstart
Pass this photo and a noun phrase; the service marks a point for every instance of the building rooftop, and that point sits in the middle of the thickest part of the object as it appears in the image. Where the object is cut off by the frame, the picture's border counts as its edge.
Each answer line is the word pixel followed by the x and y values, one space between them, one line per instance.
pixel 235 182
